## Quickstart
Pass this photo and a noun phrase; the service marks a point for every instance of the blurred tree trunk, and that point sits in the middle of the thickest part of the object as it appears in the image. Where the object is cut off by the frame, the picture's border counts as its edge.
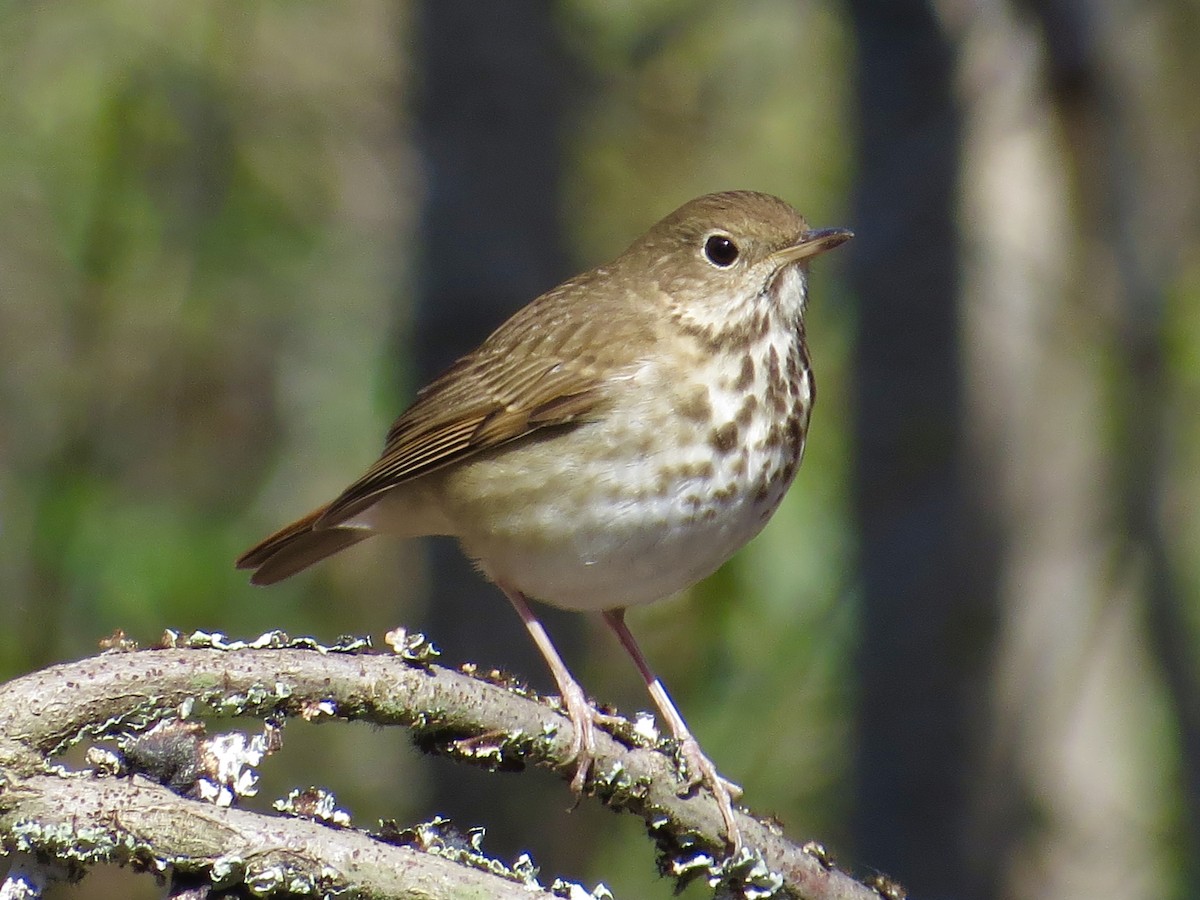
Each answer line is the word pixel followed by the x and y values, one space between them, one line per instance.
pixel 927 559
pixel 1065 342
pixel 1058 756
pixel 489 117
pixel 1135 198
pixel 1013 738
pixel 1130 192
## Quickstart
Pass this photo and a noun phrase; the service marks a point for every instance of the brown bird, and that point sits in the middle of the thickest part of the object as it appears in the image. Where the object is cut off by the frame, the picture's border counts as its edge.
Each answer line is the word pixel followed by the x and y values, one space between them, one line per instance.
pixel 613 442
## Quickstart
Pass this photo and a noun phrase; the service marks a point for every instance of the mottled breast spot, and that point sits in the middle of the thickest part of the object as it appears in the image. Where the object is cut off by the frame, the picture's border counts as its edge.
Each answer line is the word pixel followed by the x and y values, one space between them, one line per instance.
pixel 776 390
pixel 746 376
pixel 746 413
pixel 794 371
pixel 773 439
pixel 795 435
pixel 696 407
pixel 762 324
pixel 725 493
pixel 725 438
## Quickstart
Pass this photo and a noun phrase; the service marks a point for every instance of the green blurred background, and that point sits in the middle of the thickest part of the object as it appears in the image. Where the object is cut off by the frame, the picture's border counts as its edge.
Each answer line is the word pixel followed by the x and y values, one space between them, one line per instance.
pixel 235 237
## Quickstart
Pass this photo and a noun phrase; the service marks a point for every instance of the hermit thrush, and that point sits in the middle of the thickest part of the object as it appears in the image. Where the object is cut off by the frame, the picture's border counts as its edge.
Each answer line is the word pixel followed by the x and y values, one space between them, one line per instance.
pixel 612 443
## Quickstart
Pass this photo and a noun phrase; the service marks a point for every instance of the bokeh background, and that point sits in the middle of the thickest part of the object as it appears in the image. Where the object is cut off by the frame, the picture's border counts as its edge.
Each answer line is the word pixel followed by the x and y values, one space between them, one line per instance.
pixel 235 237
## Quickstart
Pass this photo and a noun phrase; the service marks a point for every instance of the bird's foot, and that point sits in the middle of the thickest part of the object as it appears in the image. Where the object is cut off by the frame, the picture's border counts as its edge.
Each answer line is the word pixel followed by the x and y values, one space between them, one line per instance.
pixel 584 720
pixel 700 770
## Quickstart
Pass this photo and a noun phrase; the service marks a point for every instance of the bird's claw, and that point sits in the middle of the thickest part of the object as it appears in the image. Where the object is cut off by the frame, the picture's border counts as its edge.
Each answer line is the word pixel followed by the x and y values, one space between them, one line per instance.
pixel 700 770
pixel 584 718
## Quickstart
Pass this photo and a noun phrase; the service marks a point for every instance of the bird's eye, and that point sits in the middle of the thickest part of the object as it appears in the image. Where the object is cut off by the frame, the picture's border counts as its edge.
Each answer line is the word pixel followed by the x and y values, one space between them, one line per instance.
pixel 721 251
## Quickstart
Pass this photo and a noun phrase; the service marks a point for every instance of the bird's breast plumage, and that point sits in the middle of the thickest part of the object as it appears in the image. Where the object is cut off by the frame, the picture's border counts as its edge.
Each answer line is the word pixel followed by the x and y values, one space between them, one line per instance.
pixel 671 477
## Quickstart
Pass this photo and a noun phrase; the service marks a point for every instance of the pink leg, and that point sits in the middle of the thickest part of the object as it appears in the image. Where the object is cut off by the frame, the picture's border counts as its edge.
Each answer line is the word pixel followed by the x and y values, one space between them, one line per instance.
pixel 579 710
pixel 724 792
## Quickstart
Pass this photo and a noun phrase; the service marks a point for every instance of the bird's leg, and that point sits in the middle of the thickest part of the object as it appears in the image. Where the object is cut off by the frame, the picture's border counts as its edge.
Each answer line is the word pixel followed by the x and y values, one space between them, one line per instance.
pixel 700 766
pixel 579 710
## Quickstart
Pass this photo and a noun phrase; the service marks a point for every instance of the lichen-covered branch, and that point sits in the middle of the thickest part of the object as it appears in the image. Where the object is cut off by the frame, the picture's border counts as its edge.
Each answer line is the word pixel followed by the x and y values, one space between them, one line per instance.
pixel 486 721
pixel 137 822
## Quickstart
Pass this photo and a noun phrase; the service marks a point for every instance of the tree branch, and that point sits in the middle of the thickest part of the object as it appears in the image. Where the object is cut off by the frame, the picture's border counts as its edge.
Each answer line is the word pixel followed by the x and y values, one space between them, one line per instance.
pixel 137 822
pixel 494 723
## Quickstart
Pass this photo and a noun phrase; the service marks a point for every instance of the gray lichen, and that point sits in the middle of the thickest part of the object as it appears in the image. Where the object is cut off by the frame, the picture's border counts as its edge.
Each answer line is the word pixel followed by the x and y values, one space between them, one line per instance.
pixel 316 804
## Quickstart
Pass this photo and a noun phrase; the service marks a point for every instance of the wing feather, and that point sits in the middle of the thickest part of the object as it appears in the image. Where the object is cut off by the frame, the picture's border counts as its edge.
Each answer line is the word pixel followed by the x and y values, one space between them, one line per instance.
pixel 471 409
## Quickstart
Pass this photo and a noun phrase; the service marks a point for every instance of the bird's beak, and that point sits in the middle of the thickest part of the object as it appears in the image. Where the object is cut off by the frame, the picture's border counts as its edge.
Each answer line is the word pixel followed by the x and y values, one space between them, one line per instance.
pixel 812 243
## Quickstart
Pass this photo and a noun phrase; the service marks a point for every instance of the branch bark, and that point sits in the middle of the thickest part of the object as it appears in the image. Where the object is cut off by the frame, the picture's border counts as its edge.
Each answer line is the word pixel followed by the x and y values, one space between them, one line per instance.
pixel 84 818
pixel 135 821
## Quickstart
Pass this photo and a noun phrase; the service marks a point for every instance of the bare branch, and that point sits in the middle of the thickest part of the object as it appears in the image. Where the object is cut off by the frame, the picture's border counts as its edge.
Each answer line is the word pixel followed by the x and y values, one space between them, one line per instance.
pixel 494 724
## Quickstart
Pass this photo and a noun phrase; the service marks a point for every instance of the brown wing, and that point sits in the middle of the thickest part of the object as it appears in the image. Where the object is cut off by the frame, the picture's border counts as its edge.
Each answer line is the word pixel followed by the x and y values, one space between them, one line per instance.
pixel 540 369
pixel 462 413
pixel 471 408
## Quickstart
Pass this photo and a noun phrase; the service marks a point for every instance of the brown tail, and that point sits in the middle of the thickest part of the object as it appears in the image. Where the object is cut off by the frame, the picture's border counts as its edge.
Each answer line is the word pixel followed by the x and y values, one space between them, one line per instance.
pixel 297 546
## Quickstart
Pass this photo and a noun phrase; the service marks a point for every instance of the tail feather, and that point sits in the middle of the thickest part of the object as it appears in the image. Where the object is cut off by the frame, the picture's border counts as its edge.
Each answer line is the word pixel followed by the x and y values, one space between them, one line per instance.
pixel 297 546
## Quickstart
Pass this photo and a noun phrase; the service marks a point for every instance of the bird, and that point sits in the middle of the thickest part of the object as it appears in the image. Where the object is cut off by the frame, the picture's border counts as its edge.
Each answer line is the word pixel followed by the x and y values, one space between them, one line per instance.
pixel 612 443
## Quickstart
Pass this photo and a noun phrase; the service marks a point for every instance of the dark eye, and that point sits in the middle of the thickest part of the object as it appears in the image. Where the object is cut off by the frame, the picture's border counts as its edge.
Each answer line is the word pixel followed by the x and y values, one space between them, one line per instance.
pixel 720 250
